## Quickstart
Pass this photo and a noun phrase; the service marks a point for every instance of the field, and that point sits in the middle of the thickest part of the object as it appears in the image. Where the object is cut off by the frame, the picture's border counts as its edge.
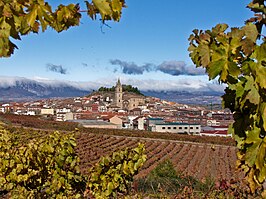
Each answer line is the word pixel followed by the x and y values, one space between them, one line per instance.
pixel 200 160
pixel 201 157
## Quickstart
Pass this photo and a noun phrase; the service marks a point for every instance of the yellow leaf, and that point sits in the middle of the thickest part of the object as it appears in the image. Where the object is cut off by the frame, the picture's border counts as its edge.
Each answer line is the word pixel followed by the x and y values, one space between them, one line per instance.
pixel 104 7
pixel 251 181
pixel 31 17
pixel 263 114
pixel 116 5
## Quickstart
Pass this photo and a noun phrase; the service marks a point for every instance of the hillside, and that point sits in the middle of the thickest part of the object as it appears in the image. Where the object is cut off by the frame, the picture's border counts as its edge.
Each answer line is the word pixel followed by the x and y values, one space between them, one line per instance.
pixel 198 156
pixel 199 159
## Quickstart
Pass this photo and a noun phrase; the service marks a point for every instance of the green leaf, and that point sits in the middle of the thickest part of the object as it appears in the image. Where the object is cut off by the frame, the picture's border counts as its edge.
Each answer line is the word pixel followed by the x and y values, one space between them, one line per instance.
pixel 233 70
pixel 253 95
pixel 252 151
pixel 215 68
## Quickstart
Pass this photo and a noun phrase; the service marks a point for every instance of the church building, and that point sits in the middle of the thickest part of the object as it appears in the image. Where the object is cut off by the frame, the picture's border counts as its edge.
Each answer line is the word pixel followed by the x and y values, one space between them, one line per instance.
pixel 126 100
pixel 119 94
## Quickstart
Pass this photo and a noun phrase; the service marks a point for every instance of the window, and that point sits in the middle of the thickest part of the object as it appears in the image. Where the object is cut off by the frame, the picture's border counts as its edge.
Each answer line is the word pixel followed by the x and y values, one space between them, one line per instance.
pixel 180 127
pixel 197 127
pixel 169 127
pixel 185 127
pixel 163 127
pixel 191 127
pixel 174 127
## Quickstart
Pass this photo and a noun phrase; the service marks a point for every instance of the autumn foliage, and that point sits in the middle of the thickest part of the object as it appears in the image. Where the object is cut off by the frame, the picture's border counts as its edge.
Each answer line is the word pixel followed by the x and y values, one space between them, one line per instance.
pixel 237 57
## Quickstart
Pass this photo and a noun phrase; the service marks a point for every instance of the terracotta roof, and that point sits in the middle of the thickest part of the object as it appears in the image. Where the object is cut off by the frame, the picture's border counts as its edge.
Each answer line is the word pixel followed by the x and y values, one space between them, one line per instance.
pixel 215 132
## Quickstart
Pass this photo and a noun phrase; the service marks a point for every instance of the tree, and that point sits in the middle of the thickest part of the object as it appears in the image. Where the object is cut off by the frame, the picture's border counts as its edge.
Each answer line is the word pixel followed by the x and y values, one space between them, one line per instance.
pixel 238 58
pixel 21 17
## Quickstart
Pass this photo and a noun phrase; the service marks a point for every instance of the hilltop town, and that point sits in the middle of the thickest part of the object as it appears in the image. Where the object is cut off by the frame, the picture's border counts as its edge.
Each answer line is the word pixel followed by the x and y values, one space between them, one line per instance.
pixel 120 109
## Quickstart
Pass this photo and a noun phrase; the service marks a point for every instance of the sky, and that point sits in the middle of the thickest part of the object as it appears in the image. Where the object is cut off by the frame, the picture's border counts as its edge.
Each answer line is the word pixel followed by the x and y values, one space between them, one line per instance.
pixel 147 48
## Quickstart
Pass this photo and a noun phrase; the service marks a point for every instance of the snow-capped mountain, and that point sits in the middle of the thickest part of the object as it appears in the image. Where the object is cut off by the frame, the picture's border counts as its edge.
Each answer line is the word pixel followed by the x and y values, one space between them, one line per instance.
pixel 23 89
pixel 18 89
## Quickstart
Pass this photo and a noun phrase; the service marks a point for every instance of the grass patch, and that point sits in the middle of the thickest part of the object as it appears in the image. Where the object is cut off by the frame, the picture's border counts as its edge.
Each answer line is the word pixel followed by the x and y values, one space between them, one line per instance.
pixel 165 179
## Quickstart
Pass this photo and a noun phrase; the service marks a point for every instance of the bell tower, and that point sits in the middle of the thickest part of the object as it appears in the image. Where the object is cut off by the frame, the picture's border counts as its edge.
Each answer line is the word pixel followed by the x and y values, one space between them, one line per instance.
pixel 119 94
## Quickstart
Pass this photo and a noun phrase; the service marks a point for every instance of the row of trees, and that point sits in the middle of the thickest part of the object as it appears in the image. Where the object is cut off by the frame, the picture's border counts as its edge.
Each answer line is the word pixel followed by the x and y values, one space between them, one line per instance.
pixel 126 88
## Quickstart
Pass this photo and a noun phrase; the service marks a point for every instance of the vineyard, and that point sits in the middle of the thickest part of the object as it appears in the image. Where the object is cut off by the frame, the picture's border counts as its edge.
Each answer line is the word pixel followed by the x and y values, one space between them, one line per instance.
pixel 206 159
pixel 36 122
pixel 198 156
pixel 201 161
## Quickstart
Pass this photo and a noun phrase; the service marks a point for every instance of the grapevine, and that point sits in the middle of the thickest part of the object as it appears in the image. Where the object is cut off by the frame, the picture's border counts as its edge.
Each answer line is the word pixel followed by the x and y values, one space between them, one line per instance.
pixel 237 58
pixel 18 18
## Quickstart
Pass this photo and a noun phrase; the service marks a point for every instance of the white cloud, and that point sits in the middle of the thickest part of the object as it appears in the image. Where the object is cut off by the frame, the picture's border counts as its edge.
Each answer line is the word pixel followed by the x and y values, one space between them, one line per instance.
pixel 6 82
pixel 178 84
pixel 175 85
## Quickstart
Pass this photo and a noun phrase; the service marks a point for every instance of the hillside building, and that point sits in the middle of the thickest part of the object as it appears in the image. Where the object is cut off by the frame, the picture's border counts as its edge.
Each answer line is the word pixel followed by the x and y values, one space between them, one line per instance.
pixel 119 94
pixel 125 100
pixel 182 128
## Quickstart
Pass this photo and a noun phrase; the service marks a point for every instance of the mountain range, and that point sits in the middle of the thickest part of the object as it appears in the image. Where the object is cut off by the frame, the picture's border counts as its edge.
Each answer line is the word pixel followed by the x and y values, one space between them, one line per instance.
pixel 22 89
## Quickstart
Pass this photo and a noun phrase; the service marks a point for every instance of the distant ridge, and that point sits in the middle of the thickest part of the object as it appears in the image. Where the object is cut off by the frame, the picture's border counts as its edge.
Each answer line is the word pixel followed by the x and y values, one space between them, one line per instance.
pixel 32 90
pixel 186 97
pixel 23 89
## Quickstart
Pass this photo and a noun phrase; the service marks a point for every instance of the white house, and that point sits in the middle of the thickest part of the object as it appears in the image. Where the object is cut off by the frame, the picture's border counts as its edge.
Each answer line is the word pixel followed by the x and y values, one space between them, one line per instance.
pixel 182 128
pixel 96 124
pixel 116 120
pixel 139 123
pixel 63 110
pixel 64 116
pixel 47 111
pixel 2 109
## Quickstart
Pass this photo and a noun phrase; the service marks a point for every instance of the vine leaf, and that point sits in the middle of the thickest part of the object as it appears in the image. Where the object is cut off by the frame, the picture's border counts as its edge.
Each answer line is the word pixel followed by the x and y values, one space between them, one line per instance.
pixel 117 6
pixel 253 95
pixel 104 7
pixel 237 58
pixel 260 67
pixel 23 17
pixel 252 151
pixel 251 32
pixel 263 114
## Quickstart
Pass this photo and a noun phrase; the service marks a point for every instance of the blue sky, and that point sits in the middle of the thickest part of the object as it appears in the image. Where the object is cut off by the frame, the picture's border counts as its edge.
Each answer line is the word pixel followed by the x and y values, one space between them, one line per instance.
pixel 150 34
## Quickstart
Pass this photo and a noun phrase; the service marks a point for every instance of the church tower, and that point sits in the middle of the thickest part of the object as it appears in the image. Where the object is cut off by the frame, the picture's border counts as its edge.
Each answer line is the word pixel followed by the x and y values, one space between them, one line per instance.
pixel 118 94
